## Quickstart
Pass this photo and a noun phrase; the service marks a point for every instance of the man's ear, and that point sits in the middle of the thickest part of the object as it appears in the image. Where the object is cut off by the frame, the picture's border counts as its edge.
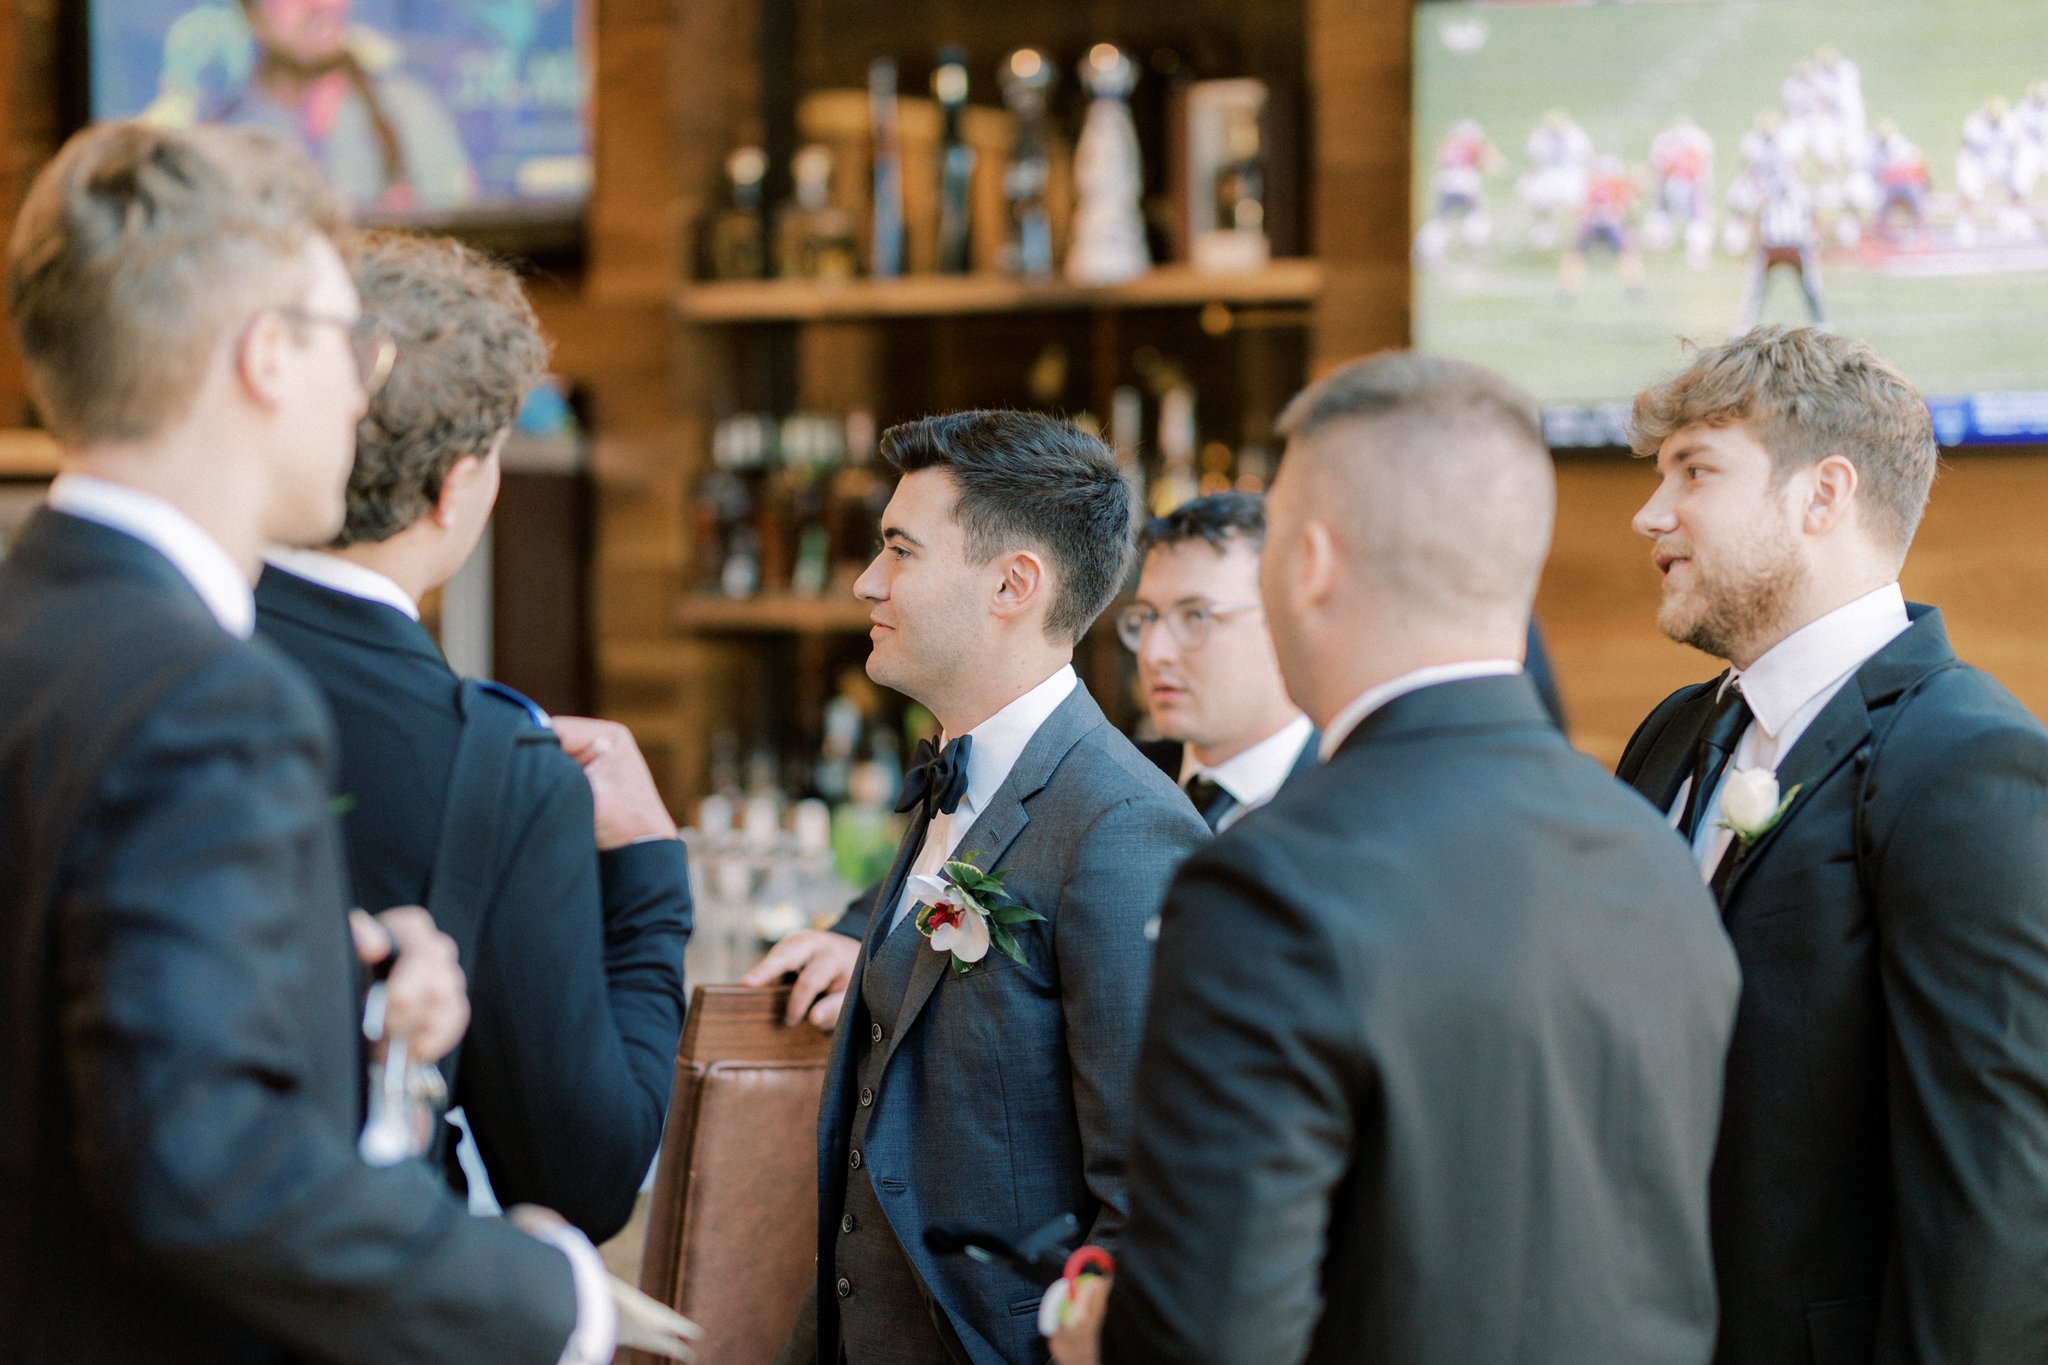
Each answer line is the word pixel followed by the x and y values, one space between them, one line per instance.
pixel 1025 582
pixel 1833 493
pixel 259 358
pixel 458 486
pixel 1321 564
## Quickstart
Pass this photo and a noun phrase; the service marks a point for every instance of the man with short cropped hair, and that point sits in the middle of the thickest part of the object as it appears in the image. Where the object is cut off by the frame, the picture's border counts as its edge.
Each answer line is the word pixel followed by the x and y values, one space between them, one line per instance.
pixel 182 1065
pixel 970 1084
pixel 460 796
pixel 1231 733
pixel 1870 813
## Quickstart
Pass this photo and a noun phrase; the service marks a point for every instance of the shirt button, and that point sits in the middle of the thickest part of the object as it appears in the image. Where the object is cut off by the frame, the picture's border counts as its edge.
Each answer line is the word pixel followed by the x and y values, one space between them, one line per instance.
pixel 845 1287
pixel 847 1224
pixel 854 1159
pixel 875 1033
pixel 867 1096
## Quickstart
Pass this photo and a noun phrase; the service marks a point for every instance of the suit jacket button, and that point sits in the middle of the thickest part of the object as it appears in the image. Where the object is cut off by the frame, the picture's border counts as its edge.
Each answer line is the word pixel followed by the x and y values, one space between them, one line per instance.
pixel 867 1096
pixel 854 1159
pixel 845 1287
pixel 847 1224
pixel 874 1033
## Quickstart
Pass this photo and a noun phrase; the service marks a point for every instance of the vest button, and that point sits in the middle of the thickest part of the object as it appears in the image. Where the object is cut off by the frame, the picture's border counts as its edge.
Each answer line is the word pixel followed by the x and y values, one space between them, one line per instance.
pixel 845 1287
pixel 874 1033
pixel 867 1096
pixel 847 1224
pixel 854 1159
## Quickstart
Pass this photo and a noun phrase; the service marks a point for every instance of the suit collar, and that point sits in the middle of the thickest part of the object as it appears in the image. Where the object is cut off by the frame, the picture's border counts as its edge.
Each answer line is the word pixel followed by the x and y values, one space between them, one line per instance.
pixel 197 557
pixel 1843 725
pixel 59 545
pixel 1483 703
pixel 343 616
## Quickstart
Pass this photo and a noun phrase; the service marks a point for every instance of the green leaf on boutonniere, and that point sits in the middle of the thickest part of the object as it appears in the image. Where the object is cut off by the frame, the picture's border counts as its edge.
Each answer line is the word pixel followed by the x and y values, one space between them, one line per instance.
pixel 1005 942
pixel 340 805
pixel 1011 912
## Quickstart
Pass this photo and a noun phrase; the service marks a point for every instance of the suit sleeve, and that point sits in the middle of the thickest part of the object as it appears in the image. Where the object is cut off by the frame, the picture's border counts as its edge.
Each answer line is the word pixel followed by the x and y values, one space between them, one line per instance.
pixel 195 995
pixel 1244 1127
pixel 1962 893
pixel 571 1055
pixel 1113 888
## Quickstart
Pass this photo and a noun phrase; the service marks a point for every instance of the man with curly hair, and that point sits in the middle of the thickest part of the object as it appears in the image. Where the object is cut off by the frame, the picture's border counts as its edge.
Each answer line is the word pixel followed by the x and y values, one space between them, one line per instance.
pixel 461 796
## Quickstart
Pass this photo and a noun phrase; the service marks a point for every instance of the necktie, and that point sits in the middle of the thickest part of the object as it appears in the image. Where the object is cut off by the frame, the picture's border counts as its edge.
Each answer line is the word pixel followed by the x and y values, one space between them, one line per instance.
pixel 1212 803
pixel 1725 724
pixel 937 778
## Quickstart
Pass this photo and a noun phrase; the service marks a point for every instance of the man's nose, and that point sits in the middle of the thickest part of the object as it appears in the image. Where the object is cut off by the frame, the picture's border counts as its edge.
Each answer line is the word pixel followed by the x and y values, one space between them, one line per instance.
pixel 1654 518
pixel 872 585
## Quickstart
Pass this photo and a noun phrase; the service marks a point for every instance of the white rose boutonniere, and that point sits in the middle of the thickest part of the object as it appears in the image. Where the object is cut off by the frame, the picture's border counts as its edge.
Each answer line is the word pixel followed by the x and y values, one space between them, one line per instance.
pixel 1750 804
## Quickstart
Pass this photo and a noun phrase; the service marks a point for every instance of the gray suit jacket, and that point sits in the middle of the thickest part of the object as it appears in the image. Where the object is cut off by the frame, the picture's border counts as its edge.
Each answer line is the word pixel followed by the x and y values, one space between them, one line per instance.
pixel 1007 1098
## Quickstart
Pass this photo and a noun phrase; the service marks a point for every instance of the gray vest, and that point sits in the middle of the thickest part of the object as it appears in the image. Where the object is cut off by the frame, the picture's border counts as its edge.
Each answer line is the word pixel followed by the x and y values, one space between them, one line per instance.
pixel 886 1316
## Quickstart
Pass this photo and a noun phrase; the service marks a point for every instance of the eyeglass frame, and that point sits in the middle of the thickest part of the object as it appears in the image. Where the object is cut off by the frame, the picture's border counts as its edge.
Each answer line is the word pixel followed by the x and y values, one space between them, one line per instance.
pixel 1130 628
pixel 373 371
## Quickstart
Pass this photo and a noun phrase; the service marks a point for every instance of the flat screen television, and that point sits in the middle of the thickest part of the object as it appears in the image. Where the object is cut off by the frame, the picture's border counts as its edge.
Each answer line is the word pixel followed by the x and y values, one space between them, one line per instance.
pixel 1593 181
pixel 459 114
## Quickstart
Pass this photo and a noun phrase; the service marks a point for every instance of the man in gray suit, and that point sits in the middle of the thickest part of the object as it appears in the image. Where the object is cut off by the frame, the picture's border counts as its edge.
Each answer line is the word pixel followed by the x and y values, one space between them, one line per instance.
pixel 968 1084
pixel 1432 1072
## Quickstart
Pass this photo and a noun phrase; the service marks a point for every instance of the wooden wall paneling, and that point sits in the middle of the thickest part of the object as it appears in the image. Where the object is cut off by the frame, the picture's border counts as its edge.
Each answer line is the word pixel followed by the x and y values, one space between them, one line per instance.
pixel 1359 78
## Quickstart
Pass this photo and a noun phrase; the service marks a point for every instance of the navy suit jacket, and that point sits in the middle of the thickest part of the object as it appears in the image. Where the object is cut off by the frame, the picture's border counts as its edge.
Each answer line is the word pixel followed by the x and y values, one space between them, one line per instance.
pixel 1006 1101
pixel 1881 1184
pixel 576 980
pixel 180 1044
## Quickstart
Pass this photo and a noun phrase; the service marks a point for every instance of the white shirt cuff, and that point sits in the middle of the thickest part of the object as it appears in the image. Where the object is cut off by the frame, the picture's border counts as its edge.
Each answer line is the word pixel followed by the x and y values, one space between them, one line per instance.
pixel 596 1334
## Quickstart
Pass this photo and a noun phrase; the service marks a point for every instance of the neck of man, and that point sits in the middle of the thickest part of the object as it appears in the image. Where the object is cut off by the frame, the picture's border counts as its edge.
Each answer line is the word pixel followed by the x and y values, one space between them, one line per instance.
pixel 1350 664
pixel 188 475
pixel 1826 588
pixel 993 683
pixel 415 559
pixel 1274 719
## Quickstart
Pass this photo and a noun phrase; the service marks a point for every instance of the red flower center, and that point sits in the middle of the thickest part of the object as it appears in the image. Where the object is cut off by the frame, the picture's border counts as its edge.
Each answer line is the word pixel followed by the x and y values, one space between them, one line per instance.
pixel 946 913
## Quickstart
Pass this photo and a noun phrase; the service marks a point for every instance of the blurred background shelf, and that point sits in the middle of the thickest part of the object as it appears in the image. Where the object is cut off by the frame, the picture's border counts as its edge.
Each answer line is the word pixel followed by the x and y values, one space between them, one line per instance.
pixel 1283 282
pixel 27 454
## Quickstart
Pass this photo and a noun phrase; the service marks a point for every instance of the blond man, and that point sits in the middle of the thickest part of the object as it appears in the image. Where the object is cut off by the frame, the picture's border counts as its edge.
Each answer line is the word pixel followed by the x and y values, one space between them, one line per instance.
pixel 1870 813
pixel 183 1063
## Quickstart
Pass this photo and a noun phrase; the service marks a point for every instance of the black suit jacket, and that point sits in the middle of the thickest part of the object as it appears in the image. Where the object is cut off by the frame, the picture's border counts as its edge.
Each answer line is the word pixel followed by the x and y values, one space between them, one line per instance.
pixel 1881 1188
pixel 576 982
pixel 179 1011
pixel 1432 1065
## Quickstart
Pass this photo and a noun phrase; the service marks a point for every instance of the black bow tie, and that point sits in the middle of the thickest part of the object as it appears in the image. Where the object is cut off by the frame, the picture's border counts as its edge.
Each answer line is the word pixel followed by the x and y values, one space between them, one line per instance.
pixel 937 778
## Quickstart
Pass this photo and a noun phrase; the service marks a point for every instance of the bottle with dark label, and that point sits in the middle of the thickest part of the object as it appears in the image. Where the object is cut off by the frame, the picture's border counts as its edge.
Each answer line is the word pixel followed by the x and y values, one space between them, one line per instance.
pixel 739 245
pixel 956 161
pixel 885 257
pixel 815 239
pixel 1027 80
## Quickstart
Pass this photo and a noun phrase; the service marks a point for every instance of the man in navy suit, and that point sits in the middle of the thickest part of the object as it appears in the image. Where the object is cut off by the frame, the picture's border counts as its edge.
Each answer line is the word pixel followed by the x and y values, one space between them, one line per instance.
pixel 1230 734
pixel 182 1065
pixel 966 1084
pixel 1872 815
pixel 463 799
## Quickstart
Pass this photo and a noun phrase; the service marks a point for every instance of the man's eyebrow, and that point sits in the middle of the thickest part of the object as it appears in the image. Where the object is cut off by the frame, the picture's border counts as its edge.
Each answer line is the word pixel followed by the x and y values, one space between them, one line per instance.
pixel 898 533
pixel 1683 455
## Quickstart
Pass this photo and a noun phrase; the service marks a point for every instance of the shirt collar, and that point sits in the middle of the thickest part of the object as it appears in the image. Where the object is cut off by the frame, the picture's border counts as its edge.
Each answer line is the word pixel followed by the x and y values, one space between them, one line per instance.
pixel 999 741
pixel 342 576
pixel 197 556
pixel 1373 698
pixel 1807 662
pixel 1251 777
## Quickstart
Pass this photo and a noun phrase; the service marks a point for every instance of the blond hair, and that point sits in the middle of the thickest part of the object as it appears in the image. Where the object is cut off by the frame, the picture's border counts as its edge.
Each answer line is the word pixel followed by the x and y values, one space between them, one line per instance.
pixel 469 350
pixel 136 249
pixel 1806 394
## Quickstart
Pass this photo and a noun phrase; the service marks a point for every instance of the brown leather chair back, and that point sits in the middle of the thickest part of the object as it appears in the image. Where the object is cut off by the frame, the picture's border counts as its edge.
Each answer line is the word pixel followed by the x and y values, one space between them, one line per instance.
pixel 732 1232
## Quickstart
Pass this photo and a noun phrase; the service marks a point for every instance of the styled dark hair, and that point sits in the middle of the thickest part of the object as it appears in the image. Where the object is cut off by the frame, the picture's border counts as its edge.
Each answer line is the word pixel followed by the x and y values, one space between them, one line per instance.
pixel 1029 479
pixel 469 349
pixel 1215 518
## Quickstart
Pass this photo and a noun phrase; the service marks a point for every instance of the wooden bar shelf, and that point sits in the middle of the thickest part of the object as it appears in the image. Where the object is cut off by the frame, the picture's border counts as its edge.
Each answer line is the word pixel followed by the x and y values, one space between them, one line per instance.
pixel 1283 282
pixel 26 454
pixel 774 613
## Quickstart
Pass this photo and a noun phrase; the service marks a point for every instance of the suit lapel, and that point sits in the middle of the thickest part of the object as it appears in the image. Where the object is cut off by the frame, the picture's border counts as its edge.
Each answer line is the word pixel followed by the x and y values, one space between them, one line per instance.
pixel 1669 761
pixel 997 828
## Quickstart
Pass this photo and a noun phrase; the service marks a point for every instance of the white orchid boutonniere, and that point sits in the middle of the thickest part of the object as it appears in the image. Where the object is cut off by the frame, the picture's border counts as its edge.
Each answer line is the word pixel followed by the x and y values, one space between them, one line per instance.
pixel 964 910
pixel 1750 804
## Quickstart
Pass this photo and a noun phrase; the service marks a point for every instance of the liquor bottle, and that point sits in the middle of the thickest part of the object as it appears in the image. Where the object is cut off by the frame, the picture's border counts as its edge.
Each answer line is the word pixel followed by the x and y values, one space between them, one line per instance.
pixel 815 238
pixel 1241 180
pixel 886 253
pixel 739 246
pixel 956 161
pixel 1126 422
pixel 1176 482
pixel 1027 79
pixel 858 496
pixel 1109 244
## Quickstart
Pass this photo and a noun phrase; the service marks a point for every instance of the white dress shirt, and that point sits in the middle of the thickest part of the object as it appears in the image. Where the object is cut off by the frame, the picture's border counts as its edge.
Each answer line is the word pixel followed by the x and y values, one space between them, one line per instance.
pixel 998 743
pixel 343 576
pixel 197 556
pixel 1253 776
pixel 1786 688
pixel 1373 698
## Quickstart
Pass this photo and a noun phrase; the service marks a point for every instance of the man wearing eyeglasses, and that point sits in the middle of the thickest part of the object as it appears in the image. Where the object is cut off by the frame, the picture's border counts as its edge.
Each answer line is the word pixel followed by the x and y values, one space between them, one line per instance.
pixel 1231 736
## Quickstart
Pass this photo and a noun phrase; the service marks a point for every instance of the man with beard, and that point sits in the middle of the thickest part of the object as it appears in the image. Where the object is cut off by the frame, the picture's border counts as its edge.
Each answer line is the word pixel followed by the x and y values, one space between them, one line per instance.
pixel 1869 812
